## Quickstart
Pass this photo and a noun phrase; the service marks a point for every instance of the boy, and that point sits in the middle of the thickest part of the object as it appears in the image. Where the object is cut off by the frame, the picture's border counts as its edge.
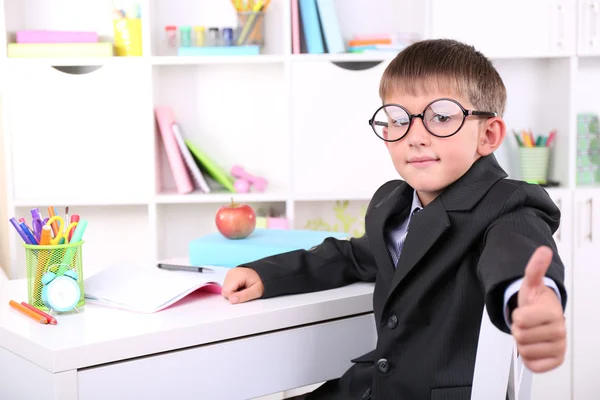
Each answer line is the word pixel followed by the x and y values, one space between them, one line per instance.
pixel 452 235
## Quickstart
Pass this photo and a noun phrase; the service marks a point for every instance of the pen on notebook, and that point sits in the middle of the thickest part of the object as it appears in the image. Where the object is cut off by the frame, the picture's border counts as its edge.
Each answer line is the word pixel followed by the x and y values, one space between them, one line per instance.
pixel 188 268
pixel 50 318
pixel 25 311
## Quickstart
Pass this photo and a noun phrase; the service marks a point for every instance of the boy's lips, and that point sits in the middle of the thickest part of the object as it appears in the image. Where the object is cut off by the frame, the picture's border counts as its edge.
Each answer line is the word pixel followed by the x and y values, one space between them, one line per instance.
pixel 422 161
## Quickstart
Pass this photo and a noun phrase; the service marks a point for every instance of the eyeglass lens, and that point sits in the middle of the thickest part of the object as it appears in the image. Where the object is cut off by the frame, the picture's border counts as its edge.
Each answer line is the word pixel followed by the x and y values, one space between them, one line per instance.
pixel 442 118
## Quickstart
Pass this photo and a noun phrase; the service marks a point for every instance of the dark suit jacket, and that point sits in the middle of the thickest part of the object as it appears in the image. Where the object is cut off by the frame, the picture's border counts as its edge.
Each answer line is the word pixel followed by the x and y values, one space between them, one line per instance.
pixel 462 250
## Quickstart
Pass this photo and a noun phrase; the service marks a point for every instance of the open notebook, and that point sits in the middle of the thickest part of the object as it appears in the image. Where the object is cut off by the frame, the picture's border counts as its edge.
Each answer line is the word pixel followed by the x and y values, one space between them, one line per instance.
pixel 147 290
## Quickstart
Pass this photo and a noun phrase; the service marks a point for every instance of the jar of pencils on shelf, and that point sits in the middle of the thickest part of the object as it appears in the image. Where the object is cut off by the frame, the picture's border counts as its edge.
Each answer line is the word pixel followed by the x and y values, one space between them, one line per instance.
pixel 128 36
pixel 534 164
pixel 251 28
pixel 55 276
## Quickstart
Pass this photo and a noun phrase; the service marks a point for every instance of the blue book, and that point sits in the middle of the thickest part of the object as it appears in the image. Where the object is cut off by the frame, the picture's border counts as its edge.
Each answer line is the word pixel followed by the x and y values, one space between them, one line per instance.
pixel 330 27
pixel 311 26
pixel 215 249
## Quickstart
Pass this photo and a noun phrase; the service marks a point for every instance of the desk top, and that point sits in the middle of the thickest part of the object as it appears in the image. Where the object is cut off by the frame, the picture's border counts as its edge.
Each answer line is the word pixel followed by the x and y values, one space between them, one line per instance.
pixel 100 334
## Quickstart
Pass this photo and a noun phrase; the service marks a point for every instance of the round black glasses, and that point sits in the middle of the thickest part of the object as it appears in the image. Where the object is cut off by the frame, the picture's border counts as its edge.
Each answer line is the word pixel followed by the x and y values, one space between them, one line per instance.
pixel 441 118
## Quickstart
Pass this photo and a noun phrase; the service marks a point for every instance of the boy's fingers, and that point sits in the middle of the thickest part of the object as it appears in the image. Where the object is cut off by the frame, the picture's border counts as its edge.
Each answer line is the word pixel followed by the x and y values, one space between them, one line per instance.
pixel 232 283
pixel 247 294
pixel 534 274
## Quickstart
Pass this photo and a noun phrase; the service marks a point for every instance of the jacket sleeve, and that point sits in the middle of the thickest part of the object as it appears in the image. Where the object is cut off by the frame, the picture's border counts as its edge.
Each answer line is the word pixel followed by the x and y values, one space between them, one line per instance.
pixel 331 264
pixel 529 220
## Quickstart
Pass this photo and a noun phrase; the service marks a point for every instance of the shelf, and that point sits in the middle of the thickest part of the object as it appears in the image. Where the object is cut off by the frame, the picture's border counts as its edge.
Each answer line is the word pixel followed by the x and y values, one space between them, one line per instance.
pixel 199 60
pixel 221 197
pixel 345 57
pixel 334 197
pixel 96 202
pixel 76 61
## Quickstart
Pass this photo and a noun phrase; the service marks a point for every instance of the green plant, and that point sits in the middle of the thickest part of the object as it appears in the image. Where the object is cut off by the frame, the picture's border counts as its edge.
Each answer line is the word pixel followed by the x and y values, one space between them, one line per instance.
pixel 345 220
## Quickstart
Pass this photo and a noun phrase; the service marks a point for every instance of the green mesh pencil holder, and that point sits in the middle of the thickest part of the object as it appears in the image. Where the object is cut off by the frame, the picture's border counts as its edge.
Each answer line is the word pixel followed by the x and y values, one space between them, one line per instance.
pixel 534 164
pixel 57 259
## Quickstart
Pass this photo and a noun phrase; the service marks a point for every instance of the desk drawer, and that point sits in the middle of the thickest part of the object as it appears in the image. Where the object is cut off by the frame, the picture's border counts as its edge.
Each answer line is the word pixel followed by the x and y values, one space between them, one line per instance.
pixel 237 369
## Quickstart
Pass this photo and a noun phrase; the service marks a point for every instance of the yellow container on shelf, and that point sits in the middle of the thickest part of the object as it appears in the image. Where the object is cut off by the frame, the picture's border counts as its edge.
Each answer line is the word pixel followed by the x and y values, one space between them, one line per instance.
pixel 128 37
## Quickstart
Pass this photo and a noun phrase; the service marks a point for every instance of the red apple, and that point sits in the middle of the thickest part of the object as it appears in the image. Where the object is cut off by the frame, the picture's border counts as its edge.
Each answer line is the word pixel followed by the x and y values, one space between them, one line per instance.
pixel 235 221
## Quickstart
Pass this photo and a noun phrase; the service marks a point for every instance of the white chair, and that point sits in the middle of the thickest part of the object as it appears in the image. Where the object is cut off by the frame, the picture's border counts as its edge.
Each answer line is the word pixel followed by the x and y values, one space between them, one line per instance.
pixel 498 367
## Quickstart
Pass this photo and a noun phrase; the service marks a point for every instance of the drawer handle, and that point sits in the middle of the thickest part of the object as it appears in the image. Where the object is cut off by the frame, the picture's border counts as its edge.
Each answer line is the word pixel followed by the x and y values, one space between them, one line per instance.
pixel 590 234
pixel 559 230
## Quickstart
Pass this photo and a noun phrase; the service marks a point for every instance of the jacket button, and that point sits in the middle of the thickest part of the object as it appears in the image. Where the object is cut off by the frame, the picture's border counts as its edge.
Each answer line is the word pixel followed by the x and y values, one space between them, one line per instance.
pixel 392 322
pixel 383 366
pixel 367 394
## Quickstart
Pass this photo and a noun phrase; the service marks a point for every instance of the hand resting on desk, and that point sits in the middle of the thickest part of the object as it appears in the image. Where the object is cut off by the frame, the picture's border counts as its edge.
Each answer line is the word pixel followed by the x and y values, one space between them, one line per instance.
pixel 241 285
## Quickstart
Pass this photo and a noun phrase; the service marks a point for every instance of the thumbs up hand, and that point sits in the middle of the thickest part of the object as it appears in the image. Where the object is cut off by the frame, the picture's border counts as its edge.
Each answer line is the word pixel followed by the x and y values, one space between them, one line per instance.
pixel 538 323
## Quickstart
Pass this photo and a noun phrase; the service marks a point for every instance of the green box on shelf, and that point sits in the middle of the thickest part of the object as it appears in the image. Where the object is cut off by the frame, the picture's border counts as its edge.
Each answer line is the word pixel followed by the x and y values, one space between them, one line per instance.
pixel 588 149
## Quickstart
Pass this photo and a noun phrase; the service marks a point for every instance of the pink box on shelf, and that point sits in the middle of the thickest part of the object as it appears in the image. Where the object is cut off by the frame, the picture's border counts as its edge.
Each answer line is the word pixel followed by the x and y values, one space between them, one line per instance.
pixel 42 36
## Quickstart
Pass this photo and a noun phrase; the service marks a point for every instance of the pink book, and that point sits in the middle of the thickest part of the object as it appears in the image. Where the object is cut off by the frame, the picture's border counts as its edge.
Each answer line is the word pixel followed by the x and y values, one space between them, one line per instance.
pixel 295 28
pixel 42 36
pixel 165 119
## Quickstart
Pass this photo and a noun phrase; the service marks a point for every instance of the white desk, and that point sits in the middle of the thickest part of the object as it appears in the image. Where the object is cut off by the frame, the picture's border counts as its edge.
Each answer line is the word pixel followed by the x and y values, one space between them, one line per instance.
pixel 200 348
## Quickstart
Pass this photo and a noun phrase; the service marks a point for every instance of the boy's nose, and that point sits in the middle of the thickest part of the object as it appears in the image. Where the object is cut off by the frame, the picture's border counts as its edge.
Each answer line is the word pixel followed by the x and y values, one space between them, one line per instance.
pixel 417 134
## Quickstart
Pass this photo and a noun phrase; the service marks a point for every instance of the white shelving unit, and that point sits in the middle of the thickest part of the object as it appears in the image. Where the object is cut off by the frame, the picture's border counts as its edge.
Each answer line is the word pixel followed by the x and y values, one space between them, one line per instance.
pixel 81 132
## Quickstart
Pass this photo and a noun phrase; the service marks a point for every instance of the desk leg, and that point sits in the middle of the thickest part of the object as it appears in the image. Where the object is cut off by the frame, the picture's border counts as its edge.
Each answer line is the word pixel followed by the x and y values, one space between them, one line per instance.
pixel 21 379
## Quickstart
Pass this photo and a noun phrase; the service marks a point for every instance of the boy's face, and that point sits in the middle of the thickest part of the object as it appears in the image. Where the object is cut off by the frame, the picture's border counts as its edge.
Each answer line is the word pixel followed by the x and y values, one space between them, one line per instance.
pixel 430 163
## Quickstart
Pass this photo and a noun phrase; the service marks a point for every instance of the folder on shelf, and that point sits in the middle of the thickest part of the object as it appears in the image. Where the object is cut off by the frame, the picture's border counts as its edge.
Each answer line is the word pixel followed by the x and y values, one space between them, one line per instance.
pixel 215 249
pixel 165 119
pixel 295 28
pixel 51 36
pixel 212 169
pixel 331 27
pixel 189 160
pixel 147 289
pixel 311 26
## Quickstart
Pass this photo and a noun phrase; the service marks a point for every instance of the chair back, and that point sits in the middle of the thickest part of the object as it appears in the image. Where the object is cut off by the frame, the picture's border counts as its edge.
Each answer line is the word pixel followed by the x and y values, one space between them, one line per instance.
pixel 498 368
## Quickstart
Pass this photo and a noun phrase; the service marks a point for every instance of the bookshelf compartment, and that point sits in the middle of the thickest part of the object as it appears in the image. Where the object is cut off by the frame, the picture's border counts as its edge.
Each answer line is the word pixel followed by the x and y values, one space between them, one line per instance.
pixel 66 144
pixel 179 224
pixel 538 106
pixel 233 119
pixel 334 216
pixel 334 149
pixel 66 15
pixel 209 13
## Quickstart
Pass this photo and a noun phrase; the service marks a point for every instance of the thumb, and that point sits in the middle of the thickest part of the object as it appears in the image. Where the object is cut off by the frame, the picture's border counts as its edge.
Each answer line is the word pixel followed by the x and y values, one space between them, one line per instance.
pixel 536 269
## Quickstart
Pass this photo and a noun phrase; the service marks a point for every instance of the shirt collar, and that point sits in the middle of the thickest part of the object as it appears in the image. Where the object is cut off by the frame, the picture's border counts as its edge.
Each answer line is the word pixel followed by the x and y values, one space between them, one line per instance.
pixel 416 203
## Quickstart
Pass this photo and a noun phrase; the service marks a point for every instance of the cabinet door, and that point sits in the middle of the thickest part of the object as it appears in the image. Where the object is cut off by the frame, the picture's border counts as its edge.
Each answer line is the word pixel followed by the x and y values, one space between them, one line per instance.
pixel 80 136
pixel 589 27
pixel 336 153
pixel 586 289
pixel 556 384
pixel 511 28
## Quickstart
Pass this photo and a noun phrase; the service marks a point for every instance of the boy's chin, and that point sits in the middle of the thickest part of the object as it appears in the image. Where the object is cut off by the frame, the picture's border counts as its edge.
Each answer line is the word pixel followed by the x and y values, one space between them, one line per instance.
pixel 427 187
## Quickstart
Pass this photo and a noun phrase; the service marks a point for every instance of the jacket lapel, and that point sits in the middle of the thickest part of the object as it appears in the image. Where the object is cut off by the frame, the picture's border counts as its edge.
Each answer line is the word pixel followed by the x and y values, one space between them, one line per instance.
pixel 397 201
pixel 425 229
pixel 428 225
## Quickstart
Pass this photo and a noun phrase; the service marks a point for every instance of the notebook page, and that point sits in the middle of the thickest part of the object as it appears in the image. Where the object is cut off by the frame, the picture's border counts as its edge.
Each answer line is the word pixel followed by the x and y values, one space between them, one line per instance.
pixel 145 289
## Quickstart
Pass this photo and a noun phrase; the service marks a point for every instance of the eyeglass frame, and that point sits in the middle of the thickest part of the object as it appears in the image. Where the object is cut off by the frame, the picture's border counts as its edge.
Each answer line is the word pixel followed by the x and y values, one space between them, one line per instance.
pixel 466 113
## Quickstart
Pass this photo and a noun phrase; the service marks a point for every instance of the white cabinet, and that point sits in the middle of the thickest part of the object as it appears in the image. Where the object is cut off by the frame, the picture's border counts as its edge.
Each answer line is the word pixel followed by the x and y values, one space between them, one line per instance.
pixel 586 294
pixel 589 27
pixel 511 28
pixel 557 384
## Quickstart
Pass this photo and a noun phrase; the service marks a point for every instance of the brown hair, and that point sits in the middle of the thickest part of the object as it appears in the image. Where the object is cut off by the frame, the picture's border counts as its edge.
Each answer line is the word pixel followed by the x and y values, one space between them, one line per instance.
pixel 446 65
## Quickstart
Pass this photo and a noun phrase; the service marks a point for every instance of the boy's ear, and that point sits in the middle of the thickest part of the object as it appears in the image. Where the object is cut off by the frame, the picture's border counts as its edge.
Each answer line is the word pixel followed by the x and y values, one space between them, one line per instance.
pixel 491 136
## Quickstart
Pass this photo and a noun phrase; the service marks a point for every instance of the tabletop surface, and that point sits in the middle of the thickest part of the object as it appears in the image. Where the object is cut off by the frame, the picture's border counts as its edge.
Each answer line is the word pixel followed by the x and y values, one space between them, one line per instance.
pixel 100 334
